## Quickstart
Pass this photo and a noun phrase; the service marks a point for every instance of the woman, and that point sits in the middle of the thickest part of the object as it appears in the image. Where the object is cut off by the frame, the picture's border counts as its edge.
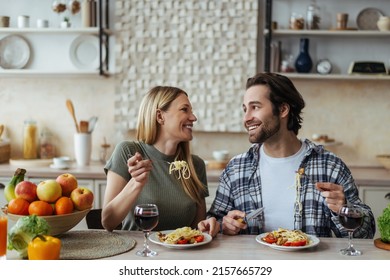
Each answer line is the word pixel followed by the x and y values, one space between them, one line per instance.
pixel 143 171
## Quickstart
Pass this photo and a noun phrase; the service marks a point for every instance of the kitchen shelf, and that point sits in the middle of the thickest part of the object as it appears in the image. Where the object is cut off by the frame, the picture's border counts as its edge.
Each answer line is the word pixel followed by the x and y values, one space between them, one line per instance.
pixel 333 33
pixel 34 35
pixel 370 46
pixel 359 77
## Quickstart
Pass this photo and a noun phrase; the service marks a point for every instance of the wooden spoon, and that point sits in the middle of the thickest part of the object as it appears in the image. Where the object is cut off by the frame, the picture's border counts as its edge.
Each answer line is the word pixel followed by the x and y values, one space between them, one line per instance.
pixel 1 130
pixel 70 107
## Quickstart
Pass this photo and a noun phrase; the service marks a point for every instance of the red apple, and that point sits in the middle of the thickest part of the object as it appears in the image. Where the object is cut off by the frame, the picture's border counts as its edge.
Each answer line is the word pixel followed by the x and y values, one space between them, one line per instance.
pixel 82 198
pixel 49 191
pixel 68 183
pixel 26 190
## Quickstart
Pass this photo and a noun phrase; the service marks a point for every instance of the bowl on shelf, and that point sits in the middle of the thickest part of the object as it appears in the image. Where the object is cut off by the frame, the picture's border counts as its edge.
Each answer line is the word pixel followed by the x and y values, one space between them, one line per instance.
pixel 384 160
pixel 58 223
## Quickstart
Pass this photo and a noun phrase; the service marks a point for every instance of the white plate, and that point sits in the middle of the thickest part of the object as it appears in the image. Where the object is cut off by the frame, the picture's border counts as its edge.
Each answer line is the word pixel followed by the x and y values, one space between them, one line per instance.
pixel 314 241
pixel 154 238
pixel 14 52
pixel 84 52
pixel 367 19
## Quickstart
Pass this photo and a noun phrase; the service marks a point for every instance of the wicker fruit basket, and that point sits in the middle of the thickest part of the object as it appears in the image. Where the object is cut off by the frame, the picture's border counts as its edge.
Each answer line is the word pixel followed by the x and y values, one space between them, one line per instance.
pixel 5 151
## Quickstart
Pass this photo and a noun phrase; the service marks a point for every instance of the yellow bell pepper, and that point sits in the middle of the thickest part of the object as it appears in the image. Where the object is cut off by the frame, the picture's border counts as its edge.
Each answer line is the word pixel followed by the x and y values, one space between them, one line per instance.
pixel 44 247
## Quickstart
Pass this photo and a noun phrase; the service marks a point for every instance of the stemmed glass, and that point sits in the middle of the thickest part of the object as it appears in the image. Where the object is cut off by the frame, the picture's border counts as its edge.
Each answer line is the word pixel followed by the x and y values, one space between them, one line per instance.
pixel 351 217
pixel 146 218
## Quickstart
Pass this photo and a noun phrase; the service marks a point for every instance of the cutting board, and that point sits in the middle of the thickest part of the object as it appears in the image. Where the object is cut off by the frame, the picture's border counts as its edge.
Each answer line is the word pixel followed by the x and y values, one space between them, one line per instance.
pixel 381 245
pixel 215 164
pixel 30 162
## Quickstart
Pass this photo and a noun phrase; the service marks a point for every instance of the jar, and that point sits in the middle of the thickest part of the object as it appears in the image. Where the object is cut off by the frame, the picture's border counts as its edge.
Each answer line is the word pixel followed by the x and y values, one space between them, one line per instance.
pixel 47 148
pixel 88 13
pixel 297 22
pixel 30 140
pixel 313 16
pixel 383 23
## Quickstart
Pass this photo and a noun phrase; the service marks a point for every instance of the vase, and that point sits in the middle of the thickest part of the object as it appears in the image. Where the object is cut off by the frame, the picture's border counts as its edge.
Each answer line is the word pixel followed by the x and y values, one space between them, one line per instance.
pixel 303 63
pixel 383 23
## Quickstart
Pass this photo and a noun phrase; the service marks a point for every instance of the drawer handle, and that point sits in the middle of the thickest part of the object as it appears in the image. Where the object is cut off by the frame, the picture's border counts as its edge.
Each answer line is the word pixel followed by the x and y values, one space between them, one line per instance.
pixel 387 196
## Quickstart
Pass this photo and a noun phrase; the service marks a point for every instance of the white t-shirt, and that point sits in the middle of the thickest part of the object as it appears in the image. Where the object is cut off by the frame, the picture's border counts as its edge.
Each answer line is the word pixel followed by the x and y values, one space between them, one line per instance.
pixel 278 188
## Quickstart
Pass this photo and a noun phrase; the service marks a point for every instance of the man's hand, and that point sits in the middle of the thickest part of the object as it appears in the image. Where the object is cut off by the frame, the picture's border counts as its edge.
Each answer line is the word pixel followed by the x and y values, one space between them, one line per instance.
pixel 334 195
pixel 231 225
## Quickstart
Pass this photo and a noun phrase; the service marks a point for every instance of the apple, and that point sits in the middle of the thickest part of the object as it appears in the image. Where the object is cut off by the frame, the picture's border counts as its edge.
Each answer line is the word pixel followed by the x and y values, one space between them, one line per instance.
pixel 49 191
pixel 68 183
pixel 82 198
pixel 26 190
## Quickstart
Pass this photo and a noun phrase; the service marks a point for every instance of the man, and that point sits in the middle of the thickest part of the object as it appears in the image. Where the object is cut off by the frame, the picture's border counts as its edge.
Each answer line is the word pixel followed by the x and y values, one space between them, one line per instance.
pixel 300 185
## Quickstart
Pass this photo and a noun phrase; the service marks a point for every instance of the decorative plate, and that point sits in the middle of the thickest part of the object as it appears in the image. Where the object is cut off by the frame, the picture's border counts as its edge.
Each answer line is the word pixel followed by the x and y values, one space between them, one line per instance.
pixel 154 238
pixel 14 52
pixel 367 19
pixel 314 241
pixel 84 52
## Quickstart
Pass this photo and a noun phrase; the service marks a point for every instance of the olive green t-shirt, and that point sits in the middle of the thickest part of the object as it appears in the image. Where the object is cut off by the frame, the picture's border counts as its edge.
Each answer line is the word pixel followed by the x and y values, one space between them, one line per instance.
pixel 176 208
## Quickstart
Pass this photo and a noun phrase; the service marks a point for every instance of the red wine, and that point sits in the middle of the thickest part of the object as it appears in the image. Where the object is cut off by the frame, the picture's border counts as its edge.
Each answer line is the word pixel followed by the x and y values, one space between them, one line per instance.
pixel 351 223
pixel 146 222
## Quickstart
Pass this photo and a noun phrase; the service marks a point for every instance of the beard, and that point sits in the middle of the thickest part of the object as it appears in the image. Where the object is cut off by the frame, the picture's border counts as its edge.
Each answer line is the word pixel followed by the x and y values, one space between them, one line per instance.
pixel 268 129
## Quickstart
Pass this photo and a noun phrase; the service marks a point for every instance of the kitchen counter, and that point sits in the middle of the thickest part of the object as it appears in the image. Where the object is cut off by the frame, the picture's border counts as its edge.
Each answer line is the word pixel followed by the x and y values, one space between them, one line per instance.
pixel 377 176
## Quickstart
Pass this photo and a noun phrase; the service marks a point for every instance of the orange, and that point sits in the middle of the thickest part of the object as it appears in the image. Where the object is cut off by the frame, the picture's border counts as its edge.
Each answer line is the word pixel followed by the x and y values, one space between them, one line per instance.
pixel 64 205
pixel 18 206
pixel 40 208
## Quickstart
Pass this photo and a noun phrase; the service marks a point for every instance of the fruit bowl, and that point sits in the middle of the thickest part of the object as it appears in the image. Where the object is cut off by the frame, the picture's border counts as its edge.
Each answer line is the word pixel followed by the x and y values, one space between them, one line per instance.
pixel 58 223
pixel 384 160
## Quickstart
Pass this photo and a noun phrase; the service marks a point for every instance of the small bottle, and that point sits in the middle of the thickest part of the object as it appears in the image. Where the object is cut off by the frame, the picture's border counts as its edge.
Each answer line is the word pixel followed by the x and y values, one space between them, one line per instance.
pixel 47 148
pixel 313 16
pixel 30 140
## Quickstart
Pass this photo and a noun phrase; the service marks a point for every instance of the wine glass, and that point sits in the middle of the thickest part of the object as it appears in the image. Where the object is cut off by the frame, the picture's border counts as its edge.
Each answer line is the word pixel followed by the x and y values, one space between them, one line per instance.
pixel 146 218
pixel 351 217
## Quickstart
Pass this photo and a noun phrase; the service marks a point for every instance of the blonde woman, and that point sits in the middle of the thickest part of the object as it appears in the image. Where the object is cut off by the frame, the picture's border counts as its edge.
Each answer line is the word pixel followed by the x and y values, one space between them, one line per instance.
pixel 157 168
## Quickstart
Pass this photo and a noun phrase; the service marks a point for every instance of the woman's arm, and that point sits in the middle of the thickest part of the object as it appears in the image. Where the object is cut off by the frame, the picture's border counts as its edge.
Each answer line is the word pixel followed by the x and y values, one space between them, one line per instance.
pixel 120 195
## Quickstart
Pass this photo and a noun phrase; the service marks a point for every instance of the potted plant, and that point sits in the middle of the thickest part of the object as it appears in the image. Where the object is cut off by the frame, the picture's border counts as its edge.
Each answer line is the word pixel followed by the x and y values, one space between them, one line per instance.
pixel 65 23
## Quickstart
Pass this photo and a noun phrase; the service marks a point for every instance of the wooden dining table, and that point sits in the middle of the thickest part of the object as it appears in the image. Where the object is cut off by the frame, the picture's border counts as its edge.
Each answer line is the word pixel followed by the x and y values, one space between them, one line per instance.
pixel 245 247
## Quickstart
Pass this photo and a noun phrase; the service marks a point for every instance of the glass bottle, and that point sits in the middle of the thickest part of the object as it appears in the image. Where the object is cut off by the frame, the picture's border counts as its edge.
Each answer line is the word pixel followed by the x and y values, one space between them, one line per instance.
pixel 30 140
pixel 313 16
pixel 47 148
pixel 303 63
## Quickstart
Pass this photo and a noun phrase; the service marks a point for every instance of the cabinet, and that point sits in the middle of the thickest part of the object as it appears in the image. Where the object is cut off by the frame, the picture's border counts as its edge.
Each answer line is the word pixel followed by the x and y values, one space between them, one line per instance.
pixel 53 51
pixel 341 47
pixel 378 198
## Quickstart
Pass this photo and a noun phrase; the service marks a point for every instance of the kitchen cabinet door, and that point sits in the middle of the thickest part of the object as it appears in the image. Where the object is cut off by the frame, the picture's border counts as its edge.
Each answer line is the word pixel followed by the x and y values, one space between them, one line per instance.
pixel 99 189
pixel 378 198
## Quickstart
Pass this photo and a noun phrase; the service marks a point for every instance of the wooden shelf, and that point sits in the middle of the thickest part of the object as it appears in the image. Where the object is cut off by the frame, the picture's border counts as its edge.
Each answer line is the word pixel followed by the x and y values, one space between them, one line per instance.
pixel 333 33
pixel 338 76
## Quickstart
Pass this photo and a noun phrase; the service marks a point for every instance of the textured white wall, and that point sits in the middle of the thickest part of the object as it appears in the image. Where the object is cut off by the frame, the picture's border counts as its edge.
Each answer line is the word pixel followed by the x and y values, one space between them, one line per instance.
pixel 205 47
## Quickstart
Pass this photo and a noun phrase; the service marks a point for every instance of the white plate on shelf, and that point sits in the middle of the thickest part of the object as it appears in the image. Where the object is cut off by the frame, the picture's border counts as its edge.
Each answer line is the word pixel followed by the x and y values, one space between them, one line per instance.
pixel 14 52
pixel 314 241
pixel 84 52
pixel 154 238
pixel 367 19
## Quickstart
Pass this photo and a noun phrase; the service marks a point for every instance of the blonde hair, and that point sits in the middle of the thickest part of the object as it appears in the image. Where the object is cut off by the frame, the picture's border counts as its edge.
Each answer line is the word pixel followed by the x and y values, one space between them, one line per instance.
pixel 160 98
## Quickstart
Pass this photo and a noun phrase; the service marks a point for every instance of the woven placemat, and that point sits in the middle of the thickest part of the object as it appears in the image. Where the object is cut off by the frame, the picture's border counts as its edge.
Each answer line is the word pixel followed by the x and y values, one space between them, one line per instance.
pixel 94 244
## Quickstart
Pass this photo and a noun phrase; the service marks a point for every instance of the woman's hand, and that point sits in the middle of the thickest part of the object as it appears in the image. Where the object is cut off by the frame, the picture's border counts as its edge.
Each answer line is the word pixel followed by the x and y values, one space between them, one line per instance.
pixel 210 225
pixel 334 195
pixel 231 225
pixel 139 169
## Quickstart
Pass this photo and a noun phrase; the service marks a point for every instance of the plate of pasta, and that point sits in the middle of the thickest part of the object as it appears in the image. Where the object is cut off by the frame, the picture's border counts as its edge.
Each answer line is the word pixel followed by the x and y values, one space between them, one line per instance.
pixel 181 238
pixel 287 240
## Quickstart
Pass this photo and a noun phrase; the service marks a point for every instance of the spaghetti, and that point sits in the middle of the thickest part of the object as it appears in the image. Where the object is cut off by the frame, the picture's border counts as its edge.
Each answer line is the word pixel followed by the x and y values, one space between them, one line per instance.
pixel 184 235
pixel 180 167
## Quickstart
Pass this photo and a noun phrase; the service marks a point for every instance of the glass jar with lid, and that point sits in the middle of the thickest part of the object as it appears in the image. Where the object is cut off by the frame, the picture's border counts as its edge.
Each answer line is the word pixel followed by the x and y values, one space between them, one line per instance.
pixel 30 139
pixel 313 16
pixel 46 147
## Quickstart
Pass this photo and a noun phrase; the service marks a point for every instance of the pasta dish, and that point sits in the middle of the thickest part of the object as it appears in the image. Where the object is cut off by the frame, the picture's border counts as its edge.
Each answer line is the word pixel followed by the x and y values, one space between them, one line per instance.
pixel 184 235
pixel 181 168
pixel 284 237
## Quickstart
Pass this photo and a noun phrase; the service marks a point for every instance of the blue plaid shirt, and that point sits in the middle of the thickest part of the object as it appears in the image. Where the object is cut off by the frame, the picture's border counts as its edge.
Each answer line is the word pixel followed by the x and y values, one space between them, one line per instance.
pixel 240 189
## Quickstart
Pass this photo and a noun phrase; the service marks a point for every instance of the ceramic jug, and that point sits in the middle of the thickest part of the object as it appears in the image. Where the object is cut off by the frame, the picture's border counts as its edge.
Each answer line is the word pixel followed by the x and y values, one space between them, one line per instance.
pixel 383 23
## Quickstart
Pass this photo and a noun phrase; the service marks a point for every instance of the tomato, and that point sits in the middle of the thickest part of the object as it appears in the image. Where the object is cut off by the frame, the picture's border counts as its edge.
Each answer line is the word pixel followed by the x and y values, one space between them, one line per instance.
pixel 270 238
pixel 199 238
pixel 295 243
pixel 182 240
